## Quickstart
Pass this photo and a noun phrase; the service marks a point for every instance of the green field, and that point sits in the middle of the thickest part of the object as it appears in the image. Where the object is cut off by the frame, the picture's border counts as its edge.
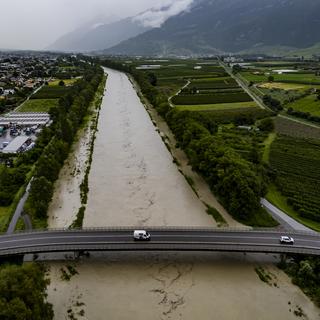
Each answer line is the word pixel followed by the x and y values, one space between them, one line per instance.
pixel 293 128
pixel 309 104
pixel 50 92
pixel 218 106
pixel 304 78
pixel 38 105
pixel 297 163
pixel 67 82
pixel 193 99
pixel 5 215
pixel 275 197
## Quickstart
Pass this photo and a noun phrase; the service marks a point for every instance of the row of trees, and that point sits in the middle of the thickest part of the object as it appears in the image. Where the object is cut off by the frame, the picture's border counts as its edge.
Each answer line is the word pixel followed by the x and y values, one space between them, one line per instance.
pixel 303 115
pixel 67 118
pixel 272 103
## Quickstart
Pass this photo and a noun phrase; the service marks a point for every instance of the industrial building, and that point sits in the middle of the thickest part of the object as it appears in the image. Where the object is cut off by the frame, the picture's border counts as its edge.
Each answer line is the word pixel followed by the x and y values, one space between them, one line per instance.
pixel 19 144
pixel 25 119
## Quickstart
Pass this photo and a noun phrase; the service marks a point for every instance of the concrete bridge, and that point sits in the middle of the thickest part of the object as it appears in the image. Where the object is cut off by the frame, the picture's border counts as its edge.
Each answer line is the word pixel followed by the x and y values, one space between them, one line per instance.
pixel 162 239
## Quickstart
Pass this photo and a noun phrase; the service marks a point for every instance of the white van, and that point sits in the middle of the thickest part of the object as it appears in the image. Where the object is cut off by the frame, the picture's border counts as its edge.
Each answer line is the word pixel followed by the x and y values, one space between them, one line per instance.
pixel 141 235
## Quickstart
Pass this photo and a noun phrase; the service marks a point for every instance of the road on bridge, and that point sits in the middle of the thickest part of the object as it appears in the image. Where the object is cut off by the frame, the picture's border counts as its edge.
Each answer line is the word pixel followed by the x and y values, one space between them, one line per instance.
pixel 161 239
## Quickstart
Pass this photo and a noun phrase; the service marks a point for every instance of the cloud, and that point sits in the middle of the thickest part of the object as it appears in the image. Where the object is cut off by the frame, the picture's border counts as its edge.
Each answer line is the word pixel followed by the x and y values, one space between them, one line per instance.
pixel 156 16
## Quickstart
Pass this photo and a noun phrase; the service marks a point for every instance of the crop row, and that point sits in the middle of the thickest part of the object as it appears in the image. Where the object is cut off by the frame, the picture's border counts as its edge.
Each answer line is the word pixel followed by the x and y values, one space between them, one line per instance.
pixel 229 83
pixel 211 98
pixel 50 92
pixel 297 163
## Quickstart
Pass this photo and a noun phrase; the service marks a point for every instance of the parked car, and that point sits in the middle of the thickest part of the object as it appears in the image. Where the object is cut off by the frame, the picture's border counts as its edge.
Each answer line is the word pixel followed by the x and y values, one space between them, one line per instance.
pixel 141 235
pixel 286 240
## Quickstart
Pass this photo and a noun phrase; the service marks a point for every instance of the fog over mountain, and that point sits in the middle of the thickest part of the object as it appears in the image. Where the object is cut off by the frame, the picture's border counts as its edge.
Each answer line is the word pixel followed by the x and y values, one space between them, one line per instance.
pixel 216 26
pixel 35 24
pixel 98 35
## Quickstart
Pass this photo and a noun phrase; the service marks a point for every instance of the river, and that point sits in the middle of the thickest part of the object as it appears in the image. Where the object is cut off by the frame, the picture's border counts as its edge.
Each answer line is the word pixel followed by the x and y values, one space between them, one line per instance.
pixel 134 182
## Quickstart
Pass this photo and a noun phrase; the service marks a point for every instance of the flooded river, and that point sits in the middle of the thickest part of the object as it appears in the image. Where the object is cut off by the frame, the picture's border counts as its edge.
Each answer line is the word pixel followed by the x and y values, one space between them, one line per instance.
pixel 134 182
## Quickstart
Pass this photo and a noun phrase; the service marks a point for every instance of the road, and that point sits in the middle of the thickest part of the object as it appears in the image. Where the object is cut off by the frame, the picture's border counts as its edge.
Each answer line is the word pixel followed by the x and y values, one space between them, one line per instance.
pixel 177 93
pixel 286 221
pixel 19 211
pixel 162 239
pixel 244 87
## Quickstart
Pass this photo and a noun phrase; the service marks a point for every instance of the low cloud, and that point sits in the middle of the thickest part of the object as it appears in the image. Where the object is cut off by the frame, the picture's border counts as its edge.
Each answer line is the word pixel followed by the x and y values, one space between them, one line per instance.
pixel 156 16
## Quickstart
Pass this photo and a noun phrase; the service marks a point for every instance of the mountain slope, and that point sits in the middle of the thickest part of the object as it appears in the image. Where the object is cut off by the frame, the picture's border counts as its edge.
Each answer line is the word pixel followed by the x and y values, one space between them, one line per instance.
pixel 213 26
pixel 99 36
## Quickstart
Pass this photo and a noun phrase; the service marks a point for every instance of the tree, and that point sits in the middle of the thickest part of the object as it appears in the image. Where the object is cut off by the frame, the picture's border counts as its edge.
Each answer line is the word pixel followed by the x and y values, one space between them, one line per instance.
pixel 152 79
pixel 40 196
pixel 23 293
pixel 236 69
pixel 266 125
pixel 270 78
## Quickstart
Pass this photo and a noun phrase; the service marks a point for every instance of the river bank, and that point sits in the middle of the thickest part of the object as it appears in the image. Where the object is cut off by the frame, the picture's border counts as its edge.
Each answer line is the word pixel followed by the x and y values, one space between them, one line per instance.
pixel 133 181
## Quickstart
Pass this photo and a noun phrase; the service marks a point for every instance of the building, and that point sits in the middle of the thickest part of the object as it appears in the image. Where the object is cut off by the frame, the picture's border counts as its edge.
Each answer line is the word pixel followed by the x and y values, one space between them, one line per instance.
pixel 25 119
pixel 19 144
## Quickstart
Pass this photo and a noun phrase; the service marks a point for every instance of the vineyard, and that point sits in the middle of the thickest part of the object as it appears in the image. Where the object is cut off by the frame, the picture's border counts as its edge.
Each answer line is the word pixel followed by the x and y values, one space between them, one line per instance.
pixel 211 98
pixel 51 92
pixel 297 163
pixel 296 129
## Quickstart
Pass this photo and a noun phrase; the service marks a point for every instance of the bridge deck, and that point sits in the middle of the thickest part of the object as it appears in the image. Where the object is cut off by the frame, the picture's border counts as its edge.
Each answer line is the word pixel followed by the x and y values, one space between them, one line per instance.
pixel 162 239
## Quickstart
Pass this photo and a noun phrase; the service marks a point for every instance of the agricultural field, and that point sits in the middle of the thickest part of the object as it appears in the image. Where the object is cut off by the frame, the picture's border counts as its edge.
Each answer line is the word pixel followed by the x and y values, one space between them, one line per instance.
pixel 212 91
pixel 217 106
pixel 283 86
pixel 296 129
pixel 194 99
pixel 50 92
pixel 38 105
pixel 310 103
pixel 297 164
pixel 297 78
pixel 67 82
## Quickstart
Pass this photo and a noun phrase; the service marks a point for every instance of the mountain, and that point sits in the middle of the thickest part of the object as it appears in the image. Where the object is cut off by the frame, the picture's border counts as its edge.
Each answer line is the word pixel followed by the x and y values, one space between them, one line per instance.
pixel 98 35
pixel 216 26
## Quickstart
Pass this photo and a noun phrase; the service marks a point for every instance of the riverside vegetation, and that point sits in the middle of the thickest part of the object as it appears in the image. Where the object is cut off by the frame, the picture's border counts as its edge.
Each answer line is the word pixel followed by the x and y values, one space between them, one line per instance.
pixel 67 118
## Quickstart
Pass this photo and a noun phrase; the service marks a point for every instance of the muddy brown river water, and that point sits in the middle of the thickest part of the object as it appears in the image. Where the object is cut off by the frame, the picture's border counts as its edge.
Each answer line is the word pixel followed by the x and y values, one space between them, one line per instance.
pixel 134 182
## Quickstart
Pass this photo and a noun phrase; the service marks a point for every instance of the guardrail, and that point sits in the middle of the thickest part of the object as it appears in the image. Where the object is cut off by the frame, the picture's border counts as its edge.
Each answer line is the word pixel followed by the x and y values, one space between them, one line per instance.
pixel 200 247
pixel 169 228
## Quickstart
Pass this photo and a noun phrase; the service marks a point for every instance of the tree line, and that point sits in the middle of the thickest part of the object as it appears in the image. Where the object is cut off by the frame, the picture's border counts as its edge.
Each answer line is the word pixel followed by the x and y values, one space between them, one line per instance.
pixel 56 140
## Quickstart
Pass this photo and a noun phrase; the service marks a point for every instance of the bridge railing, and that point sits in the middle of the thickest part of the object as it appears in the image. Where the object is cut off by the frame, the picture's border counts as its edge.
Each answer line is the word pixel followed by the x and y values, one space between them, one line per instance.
pixel 170 228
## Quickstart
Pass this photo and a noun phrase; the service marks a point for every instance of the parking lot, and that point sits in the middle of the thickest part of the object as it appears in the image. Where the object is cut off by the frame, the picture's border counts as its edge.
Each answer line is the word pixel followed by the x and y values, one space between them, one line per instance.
pixel 16 126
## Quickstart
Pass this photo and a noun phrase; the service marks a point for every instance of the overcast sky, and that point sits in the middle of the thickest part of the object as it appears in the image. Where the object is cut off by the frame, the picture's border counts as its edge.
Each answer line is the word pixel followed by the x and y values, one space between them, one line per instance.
pixel 34 24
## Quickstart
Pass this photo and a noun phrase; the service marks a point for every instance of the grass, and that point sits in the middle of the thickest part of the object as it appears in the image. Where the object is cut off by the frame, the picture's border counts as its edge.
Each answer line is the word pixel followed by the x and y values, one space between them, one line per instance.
pixel 309 104
pixel 283 86
pixel 275 197
pixel 216 215
pixel 38 105
pixel 5 216
pixel 67 82
pixel 301 78
pixel 262 219
pixel 217 106
pixel 267 143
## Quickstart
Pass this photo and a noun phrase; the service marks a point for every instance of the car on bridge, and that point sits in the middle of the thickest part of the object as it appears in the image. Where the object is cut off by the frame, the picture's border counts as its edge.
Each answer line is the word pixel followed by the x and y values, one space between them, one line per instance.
pixel 141 235
pixel 286 240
